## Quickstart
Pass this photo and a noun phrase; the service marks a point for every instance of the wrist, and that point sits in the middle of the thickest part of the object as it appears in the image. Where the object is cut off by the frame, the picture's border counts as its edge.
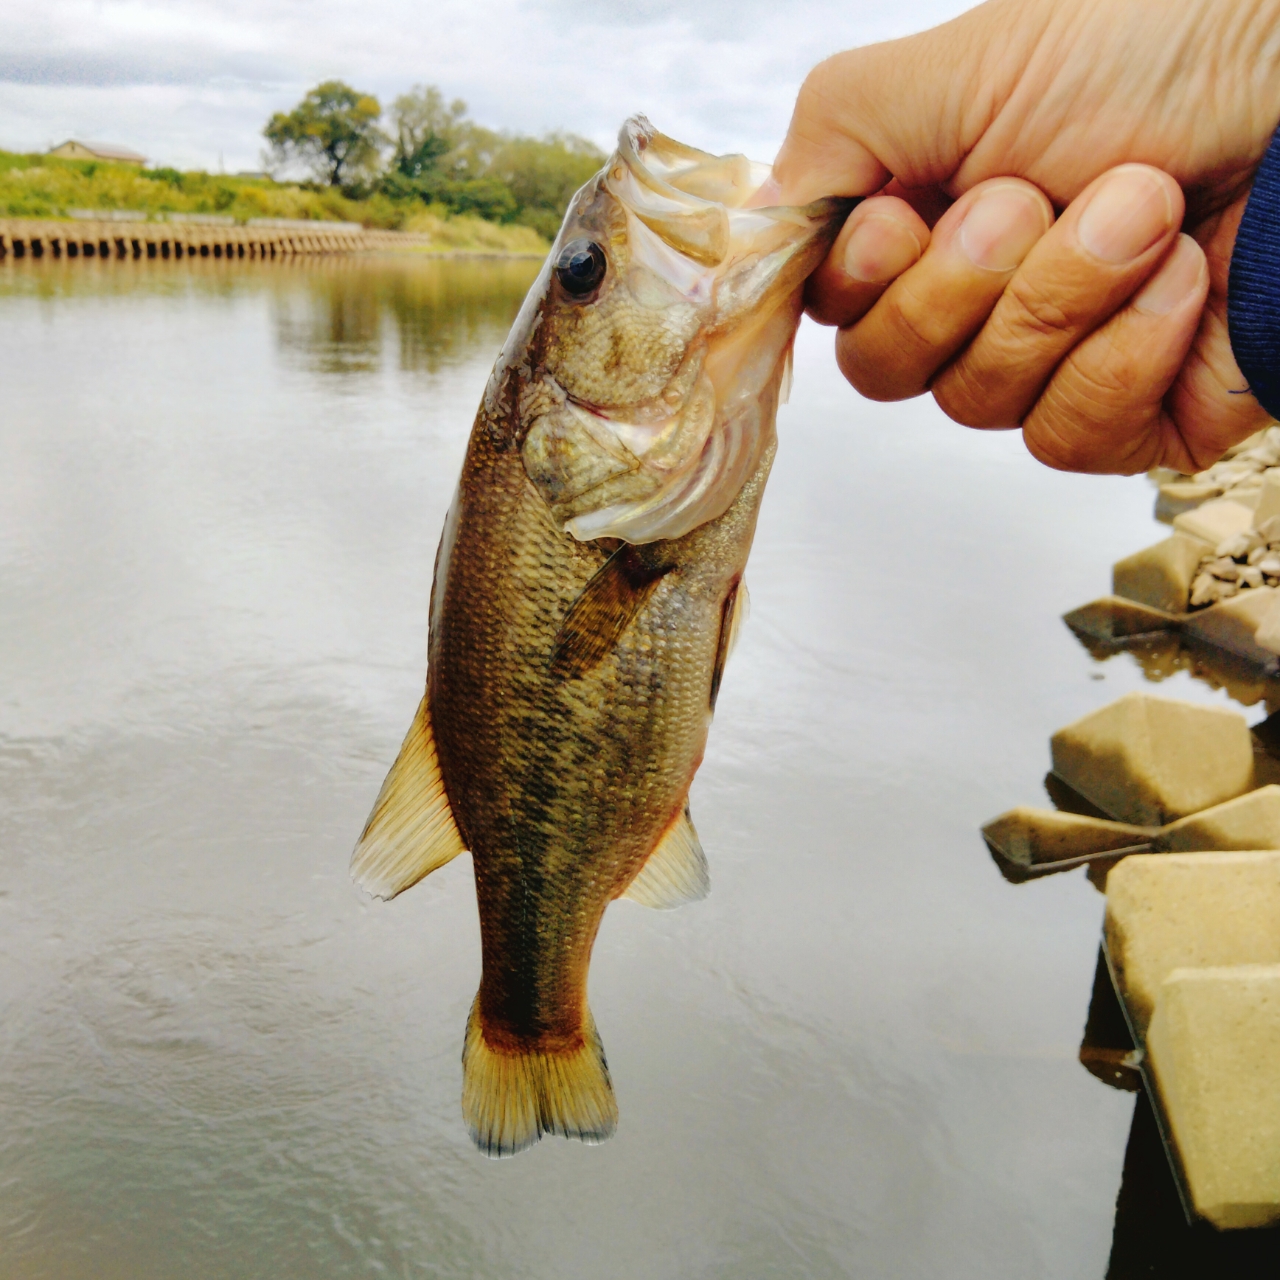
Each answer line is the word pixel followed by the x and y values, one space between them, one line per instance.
pixel 1249 41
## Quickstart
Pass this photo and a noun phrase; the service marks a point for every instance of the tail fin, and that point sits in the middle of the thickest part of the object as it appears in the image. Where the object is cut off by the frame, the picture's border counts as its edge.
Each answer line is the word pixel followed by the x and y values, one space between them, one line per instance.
pixel 509 1100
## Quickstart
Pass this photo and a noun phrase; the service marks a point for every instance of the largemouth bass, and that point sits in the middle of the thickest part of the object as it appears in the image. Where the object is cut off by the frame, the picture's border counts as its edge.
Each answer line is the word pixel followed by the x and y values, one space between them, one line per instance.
pixel 586 593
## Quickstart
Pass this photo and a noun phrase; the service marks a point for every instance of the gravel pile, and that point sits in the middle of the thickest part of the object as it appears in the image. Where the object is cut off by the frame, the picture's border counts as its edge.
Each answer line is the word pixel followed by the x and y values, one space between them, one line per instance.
pixel 1243 471
pixel 1248 560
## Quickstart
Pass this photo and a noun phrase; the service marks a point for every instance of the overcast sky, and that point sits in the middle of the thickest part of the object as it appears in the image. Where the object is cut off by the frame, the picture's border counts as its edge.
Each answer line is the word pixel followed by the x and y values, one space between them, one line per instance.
pixel 190 83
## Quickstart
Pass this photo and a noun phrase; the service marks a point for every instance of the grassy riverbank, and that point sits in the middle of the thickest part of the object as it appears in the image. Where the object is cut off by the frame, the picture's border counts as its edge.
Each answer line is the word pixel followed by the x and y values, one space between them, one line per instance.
pixel 37 186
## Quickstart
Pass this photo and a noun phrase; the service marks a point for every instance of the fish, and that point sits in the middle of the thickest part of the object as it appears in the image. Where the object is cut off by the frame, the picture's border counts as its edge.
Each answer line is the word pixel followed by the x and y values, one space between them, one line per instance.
pixel 586 595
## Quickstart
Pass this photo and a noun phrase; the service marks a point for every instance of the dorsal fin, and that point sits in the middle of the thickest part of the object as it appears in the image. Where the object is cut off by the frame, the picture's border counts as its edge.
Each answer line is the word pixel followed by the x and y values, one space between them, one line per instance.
pixel 411 830
pixel 675 872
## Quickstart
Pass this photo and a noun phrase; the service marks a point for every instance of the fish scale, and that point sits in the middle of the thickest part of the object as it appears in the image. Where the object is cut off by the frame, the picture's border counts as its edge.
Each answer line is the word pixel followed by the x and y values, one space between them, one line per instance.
pixel 571 681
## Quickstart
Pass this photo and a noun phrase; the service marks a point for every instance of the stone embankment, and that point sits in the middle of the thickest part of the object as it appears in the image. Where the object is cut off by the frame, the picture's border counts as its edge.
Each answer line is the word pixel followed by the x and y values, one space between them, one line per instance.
pixel 1215 582
pixel 1168 805
pixel 114 238
pixel 1174 808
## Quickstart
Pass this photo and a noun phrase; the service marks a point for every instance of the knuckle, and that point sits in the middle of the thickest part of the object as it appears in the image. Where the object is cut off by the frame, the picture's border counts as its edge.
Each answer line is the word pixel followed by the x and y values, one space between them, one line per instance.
pixel 872 368
pixel 1059 443
pixel 1037 313
pixel 859 371
pixel 1044 450
pixel 814 93
pixel 891 353
pixel 826 93
pixel 1079 424
pixel 1103 381
pixel 962 394
pixel 921 327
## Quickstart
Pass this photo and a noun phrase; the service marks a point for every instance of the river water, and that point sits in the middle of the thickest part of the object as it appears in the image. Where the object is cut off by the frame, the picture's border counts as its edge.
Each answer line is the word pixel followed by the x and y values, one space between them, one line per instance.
pixel 221 487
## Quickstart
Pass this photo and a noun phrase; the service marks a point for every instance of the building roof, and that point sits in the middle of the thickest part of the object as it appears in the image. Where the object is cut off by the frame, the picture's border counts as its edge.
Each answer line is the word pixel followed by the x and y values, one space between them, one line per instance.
pixel 107 150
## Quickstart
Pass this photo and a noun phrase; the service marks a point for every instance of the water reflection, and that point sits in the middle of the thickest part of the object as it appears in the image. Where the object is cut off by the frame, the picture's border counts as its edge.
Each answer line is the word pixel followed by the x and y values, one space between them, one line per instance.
pixel 1161 656
pixel 439 314
pixel 857 1058
pixel 329 312
pixel 334 323
pixel 438 311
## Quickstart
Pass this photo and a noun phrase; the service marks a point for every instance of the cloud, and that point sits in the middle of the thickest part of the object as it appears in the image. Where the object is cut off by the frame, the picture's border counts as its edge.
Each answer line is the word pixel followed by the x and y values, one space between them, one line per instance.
pixel 188 81
pixel 128 67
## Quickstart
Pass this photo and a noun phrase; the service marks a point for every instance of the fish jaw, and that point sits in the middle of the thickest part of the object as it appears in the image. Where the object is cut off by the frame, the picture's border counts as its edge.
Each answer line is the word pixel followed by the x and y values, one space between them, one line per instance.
pixel 648 402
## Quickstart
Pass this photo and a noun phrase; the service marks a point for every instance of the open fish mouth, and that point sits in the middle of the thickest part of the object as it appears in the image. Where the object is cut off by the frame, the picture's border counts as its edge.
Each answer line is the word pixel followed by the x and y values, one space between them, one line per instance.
pixel 660 260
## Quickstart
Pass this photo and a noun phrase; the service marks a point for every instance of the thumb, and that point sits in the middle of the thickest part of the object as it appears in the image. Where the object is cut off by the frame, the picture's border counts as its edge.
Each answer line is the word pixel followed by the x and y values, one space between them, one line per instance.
pixel 910 109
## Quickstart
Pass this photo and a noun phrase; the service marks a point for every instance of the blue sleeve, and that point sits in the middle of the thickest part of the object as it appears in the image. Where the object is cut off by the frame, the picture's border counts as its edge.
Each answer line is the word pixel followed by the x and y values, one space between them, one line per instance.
pixel 1253 290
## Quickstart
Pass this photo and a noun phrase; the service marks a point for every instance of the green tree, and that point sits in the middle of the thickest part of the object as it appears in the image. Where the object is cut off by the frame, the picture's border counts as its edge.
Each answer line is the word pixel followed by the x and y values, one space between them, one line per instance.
pixel 543 174
pixel 426 129
pixel 441 157
pixel 333 130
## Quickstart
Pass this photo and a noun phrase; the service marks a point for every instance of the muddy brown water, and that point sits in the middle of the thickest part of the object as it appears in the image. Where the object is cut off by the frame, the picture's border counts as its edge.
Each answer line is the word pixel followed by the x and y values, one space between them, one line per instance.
pixel 220 491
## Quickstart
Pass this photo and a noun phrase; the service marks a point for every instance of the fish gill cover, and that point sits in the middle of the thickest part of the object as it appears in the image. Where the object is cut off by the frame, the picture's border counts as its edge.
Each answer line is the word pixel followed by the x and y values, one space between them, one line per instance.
pixel 721 281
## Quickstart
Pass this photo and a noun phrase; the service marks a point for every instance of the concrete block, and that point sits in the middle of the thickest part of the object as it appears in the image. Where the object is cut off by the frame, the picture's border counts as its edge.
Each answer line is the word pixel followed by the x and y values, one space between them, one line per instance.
pixel 1215 522
pixel 1151 760
pixel 1234 624
pixel 1161 575
pixel 1214 1049
pixel 1267 636
pixel 1177 496
pixel 1250 821
pixel 1028 837
pixel 1188 911
pixel 1112 619
pixel 1268 499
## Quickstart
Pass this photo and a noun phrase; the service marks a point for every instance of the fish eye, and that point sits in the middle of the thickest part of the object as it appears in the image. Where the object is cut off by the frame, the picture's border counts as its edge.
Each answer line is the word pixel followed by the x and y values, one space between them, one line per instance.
pixel 580 267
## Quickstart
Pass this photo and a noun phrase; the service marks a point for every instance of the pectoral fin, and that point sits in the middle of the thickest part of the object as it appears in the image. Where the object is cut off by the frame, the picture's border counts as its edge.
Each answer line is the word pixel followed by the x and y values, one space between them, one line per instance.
pixel 675 872
pixel 411 830
pixel 599 616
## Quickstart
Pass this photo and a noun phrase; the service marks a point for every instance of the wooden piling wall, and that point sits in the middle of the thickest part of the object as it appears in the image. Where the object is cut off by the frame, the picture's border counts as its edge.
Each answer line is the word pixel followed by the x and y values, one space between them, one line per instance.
pixel 47 238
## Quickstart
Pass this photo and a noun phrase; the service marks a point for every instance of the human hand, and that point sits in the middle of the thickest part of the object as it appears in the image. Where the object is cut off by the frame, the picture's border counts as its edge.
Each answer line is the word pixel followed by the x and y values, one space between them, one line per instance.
pixel 1102 334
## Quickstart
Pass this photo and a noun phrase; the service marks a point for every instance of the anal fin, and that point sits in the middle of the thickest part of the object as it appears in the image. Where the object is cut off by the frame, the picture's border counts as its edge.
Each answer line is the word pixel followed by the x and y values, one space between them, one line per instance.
pixel 675 872
pixel 411 830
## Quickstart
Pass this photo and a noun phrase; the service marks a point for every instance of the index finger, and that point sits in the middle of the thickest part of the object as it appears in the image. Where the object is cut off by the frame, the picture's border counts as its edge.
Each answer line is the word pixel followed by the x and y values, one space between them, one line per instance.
pixel 890 108
pixel 883 236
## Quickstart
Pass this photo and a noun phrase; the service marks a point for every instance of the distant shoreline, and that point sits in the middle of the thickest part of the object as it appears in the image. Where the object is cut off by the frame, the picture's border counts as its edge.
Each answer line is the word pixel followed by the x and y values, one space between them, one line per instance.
pixel 412 251
pixel 119 240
